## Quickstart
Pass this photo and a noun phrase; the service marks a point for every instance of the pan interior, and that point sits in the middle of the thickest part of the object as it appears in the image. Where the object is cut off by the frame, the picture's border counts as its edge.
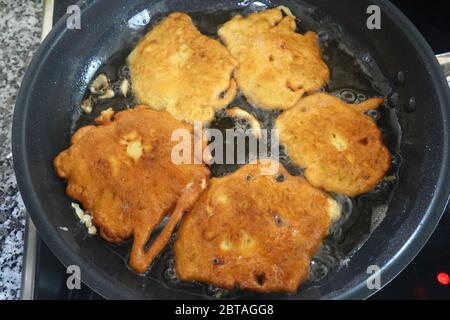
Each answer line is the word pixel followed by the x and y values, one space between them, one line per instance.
pixel 355 76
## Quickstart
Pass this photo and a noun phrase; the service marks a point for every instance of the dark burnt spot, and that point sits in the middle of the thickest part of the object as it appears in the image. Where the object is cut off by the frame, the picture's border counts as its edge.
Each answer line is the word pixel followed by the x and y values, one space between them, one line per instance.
pixel 248 177
pixel 260 278
pixel 280 177
pixel 363 141
pixel 278 220
pixel 222 94
pixel 216 261
pixel 271 58
pixel 366 177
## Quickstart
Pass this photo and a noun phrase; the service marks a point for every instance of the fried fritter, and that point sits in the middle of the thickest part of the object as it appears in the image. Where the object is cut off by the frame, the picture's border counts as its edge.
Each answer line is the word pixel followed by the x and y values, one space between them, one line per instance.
pixel 177 69
pixel 340 148
pixel 121 172
pixel 253 231
pixel 276 64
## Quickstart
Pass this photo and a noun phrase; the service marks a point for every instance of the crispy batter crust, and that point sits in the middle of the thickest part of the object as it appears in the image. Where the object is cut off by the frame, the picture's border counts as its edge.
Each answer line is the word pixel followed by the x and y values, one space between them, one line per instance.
pixel 276 64
pixel 121 172
pixel 340 148
pixel 176 68
pixel 257 232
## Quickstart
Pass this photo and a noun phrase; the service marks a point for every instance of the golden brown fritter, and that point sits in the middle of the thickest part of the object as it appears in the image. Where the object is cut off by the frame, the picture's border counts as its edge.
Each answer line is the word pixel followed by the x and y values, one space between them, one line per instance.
pixel 340 148
pixel 276 64
pixel 121 172
pixel 177 69
pixel 253 231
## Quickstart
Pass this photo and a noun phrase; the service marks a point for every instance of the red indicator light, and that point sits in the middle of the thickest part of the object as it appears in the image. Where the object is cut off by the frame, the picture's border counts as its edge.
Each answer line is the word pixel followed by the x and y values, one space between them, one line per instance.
pixel 443 278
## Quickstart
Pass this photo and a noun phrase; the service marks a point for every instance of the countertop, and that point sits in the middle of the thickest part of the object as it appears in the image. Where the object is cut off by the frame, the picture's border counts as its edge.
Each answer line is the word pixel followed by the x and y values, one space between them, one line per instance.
pixel 20 29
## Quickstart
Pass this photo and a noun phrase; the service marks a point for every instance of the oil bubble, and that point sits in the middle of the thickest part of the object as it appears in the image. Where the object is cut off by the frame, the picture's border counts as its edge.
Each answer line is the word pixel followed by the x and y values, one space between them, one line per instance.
pixel 374 114
pixel 348 96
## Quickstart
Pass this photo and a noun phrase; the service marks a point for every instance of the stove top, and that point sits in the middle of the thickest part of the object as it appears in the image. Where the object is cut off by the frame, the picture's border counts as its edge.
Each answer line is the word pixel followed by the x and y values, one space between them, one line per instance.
pixel 44 277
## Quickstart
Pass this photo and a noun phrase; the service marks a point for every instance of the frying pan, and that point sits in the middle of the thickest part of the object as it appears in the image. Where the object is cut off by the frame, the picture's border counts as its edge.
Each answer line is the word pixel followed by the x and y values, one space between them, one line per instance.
pixel 68 59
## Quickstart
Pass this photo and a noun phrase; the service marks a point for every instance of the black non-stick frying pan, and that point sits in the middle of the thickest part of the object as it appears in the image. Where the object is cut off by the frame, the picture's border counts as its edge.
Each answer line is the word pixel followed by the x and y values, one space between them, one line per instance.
pixel 416 92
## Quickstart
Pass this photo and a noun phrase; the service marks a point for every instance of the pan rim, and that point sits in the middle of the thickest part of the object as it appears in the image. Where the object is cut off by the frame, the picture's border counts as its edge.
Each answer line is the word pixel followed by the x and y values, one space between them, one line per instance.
pixel 414 245
pixel 107 286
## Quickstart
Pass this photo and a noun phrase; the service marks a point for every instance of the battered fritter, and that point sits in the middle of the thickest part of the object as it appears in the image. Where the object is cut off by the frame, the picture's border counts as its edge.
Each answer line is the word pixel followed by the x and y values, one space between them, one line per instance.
pixel 176 68
pixel 276 64
pixel 121 172
pixel 340 148
pixel 252 231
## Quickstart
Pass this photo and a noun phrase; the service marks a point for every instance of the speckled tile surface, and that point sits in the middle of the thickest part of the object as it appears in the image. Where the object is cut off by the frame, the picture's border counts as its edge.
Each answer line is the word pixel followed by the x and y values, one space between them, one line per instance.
pixel 20 28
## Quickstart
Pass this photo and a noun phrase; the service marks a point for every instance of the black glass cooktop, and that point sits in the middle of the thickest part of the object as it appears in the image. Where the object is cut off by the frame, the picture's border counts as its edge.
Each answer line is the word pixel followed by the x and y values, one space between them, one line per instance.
pixel 424 278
